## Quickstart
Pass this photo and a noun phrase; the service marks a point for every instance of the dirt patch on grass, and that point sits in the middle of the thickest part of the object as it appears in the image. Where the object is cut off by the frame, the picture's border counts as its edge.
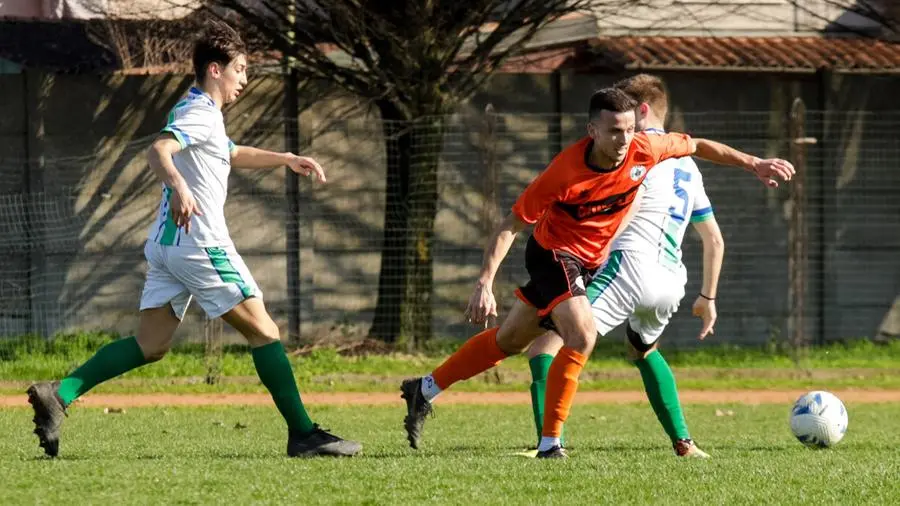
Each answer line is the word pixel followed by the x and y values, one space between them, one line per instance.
pixel 381 398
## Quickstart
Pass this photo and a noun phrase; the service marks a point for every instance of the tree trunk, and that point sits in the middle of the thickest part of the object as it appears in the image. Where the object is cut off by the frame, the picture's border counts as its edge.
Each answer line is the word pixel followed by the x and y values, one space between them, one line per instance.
pixel 392 276
pixel 416 319
pixel 405 283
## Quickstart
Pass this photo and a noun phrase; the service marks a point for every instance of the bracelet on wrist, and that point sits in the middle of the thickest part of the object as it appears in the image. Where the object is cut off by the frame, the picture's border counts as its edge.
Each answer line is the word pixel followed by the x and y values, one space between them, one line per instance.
pixel 707 298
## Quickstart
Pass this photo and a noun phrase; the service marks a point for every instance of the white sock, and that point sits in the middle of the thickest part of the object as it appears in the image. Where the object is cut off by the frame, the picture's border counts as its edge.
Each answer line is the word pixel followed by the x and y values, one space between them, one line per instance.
pixel 547 443
pixel 430 390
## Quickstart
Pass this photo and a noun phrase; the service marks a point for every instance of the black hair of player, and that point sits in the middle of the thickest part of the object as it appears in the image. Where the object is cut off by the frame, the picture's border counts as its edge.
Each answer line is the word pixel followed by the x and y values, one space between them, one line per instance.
pixel 610 99
pixel 220 44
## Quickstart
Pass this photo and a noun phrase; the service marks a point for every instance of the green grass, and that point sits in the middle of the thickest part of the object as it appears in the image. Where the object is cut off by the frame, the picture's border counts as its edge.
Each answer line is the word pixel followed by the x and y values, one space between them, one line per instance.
pixel 619 456
pixel 858 364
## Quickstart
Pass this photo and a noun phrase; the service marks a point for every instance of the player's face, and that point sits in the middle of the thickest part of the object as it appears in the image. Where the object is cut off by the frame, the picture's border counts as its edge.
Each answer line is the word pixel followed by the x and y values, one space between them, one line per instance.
pixel 612 133
pixel 234 78
pixel 229 79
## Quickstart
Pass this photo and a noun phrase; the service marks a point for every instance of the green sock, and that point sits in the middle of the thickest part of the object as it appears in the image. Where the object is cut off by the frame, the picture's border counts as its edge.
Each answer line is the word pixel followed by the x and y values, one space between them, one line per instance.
pixel 540 365
pixel 114 359
pixel 659 382
pixel 275 372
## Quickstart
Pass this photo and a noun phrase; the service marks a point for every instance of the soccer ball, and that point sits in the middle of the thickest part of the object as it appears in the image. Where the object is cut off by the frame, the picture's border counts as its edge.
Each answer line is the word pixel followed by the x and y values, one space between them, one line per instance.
pixel 819 419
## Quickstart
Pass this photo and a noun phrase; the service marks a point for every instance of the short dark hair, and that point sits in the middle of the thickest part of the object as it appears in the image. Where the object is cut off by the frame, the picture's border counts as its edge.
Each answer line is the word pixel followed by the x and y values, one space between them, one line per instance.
pixel 220 44
pixel 610 99
pixel 649 89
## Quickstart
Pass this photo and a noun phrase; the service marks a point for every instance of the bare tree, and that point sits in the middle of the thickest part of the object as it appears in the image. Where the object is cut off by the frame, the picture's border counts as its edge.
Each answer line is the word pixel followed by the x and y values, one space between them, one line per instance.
pixel 415 60
pixel 143 44
pixel 138 34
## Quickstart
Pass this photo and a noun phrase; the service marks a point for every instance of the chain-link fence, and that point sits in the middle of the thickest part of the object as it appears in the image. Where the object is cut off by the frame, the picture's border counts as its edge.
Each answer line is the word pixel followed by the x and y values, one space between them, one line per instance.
pixel 811 261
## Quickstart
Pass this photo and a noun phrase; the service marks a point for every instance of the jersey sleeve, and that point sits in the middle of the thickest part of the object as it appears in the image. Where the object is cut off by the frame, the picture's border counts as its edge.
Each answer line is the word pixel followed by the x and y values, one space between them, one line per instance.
pixel 546 189
pixel 673 145
pixel 702 210
pixel 191 124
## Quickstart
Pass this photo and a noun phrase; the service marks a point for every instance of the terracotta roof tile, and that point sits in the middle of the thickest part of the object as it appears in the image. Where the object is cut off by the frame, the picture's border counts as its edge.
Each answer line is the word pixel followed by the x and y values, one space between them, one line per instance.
pixel 762 53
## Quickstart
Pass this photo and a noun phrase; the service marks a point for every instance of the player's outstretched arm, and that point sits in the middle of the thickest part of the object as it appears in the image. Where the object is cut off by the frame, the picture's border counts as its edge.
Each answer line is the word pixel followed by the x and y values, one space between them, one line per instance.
pixel 713 254
pixel 159 157
pixel 248 157
pixel 766 170
pixel 482 303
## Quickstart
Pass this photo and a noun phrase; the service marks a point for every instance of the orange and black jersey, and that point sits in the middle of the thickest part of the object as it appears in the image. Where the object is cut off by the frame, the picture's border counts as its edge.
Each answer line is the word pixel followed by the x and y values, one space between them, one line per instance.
pixel 578 206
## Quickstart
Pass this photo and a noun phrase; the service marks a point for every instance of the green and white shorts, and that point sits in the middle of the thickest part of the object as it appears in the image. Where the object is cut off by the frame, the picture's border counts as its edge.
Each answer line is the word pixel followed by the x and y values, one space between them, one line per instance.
pixel 217 277
pixel 636 288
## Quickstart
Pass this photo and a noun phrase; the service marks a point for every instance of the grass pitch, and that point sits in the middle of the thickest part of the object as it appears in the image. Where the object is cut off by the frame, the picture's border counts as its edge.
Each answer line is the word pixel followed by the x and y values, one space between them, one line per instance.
pixel 620 455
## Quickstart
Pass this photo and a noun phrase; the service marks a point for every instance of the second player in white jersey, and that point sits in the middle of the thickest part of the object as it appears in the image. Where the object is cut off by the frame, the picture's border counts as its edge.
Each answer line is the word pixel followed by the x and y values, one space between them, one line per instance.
pixel 203 262
pixel 643 279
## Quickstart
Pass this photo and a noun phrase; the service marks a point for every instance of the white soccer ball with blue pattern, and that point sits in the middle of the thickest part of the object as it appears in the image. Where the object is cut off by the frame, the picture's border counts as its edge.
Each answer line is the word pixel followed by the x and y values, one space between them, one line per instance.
pixel 819 419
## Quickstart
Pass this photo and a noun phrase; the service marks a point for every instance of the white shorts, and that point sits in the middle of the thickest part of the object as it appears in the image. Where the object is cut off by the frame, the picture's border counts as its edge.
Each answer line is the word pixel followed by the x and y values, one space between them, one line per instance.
pixel 636 288
pixel 217 277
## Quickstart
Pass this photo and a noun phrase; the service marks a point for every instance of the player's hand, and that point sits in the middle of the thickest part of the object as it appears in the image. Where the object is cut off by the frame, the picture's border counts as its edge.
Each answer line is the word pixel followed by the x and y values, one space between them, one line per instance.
pixel 305 165
pixel 481 304
pixel 705 309
pixel 770 169
pixel 183 206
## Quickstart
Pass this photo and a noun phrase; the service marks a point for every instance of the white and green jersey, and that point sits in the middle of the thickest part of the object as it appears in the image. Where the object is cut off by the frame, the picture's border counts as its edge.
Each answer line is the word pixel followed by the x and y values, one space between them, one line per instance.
pixel 673 198
pixel 204 162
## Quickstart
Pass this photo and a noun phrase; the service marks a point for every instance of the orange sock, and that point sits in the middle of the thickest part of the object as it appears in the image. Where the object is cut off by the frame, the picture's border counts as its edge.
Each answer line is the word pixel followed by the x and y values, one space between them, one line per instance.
pixel 478 354
pixel 562 383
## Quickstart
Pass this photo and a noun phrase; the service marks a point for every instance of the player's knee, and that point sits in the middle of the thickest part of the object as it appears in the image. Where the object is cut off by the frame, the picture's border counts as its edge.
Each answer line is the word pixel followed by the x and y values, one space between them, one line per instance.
pixel 509 342
pixel 154 353
pixel 548 343
pixel 263 333
pixel 519 329
pixel 635 354
pixel 153 347
pixel 636 348
pixel 581 340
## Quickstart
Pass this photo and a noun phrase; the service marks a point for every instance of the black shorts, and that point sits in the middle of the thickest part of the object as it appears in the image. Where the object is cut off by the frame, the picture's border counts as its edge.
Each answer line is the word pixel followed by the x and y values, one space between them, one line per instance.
pixel 555 277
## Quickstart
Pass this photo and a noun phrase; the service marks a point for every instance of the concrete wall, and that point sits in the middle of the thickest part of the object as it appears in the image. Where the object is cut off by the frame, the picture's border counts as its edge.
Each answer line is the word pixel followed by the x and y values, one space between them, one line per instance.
pixel 21 9
pixel 92 9
pixel 727 17
pixel 80 141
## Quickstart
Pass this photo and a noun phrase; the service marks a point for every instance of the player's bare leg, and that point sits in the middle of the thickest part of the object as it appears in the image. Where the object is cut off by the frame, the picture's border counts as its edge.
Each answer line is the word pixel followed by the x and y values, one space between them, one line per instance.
pixel 540 356
pixel 50 399
pixel 548 343
pixel 155 332
pixel 480 353
pixel 659 383
pixel 575 324
pixel 305 439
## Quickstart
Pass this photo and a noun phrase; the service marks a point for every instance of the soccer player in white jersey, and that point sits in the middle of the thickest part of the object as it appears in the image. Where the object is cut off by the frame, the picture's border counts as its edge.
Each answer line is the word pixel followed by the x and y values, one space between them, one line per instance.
pixel 642 281
pixel 191 255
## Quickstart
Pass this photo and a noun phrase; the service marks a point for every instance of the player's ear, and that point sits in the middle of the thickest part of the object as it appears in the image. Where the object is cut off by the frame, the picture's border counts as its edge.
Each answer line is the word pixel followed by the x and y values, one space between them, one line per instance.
pixel 644 108
pixel 214 70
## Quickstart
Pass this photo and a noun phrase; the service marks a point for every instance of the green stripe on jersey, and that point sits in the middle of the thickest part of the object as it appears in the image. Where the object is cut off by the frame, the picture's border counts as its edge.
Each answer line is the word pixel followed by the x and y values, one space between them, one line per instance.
pixel 226 270
pixel 170 128
pixel 705 216
pixel 670 246
pixel 178 134
pixel 169 229
pixel 606 276
pixel 174 109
